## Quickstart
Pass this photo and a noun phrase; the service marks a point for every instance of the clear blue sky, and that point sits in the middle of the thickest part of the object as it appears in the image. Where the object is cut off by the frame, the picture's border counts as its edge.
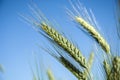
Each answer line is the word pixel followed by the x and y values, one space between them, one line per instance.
pixel 18 40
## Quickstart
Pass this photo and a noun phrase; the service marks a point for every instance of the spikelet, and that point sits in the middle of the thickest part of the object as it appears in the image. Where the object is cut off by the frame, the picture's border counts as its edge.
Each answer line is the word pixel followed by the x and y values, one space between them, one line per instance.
pixel 116 64
pixel 94 34
pixel 116 67
pixel 107 67
pixel 65 44
pixel 115 73
pixel 50 75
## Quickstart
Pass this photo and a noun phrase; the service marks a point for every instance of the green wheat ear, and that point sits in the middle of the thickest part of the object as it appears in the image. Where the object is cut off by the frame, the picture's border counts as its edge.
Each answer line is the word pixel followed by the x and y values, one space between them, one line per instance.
pixel 112 72
pixel 87 22
pixel 96 35
pixel 65 44
pixel 80 75
pixel 42 26
pixel 115 70
pixel 65 62
pixel 72 68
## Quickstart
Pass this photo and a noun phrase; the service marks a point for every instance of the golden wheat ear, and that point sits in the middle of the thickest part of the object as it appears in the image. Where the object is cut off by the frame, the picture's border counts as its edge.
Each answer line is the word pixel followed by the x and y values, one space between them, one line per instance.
pixel 82 17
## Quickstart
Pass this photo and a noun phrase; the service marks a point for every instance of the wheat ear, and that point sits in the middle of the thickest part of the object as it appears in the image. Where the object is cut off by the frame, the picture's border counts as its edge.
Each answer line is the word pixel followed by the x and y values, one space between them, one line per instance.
pixel 50 75
pixel 58 38
pixel 72 68
pixel 66 63
pixel 115 72
pixel 116 64
pixel 65 44
pixel 107 67
pixel 92 31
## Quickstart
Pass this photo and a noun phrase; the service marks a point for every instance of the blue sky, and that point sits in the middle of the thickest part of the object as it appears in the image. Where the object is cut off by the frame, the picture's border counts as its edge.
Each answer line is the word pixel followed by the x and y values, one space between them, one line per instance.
pixel 19 40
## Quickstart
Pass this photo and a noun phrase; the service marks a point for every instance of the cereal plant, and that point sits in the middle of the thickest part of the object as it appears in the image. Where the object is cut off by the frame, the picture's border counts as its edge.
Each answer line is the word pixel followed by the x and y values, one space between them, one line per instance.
pixel 68 53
